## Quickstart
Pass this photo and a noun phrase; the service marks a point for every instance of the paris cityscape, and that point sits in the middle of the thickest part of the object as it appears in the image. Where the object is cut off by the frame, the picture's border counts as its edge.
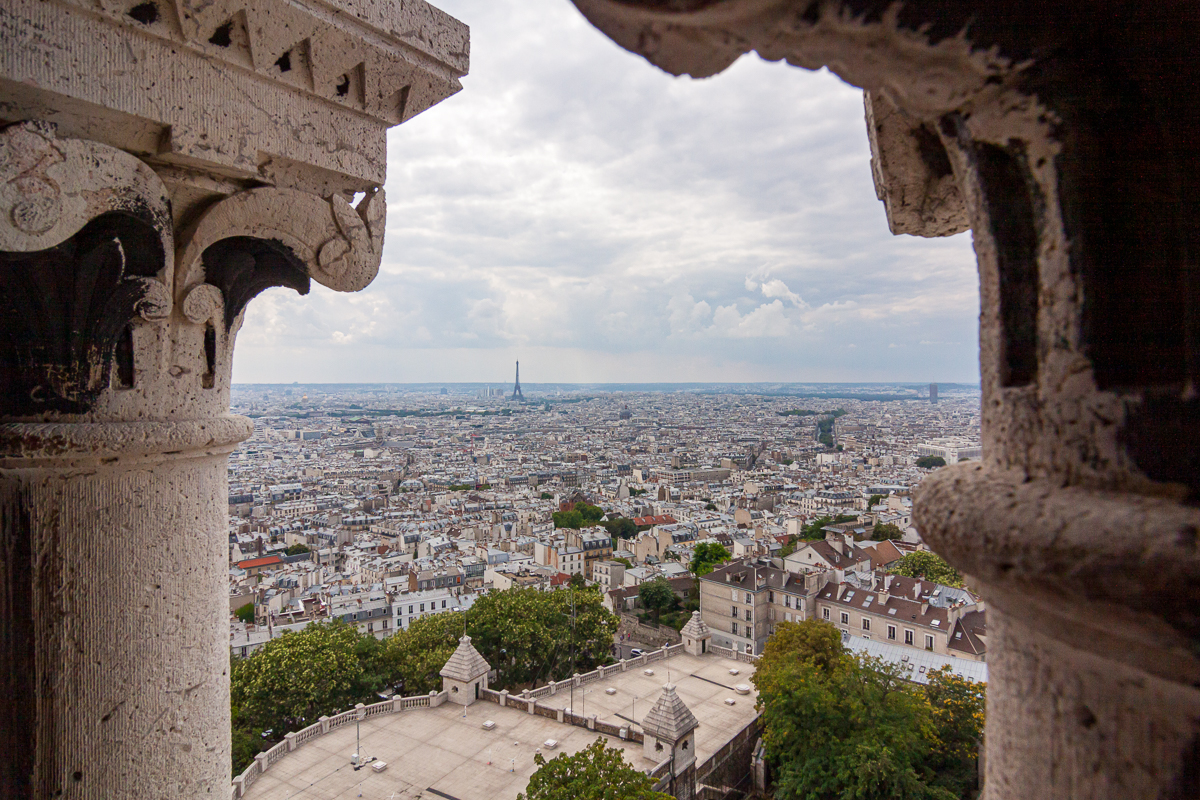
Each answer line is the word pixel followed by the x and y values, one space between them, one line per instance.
pixel 410 513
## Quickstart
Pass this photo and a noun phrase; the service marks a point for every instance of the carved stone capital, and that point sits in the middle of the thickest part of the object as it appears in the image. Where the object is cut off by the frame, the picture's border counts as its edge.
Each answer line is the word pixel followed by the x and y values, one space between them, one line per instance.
pixel 278 237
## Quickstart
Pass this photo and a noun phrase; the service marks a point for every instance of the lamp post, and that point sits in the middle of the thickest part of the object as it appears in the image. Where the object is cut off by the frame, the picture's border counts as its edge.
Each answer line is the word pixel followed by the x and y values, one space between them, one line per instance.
pixel 356 759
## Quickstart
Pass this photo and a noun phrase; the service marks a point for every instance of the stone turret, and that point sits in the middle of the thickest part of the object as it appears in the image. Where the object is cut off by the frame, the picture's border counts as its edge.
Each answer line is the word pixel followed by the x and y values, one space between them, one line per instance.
pixel 696 636
pixel 465 673
pixel 670 732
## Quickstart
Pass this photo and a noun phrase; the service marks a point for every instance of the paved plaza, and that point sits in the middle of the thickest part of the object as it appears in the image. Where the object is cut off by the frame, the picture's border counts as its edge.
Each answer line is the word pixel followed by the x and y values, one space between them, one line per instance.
pixel 446 753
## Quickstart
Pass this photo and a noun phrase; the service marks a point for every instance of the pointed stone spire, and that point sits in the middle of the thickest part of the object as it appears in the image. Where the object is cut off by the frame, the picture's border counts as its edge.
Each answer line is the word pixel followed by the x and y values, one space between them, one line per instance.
pixel 696 635
pixel 466 664
pixel 670 719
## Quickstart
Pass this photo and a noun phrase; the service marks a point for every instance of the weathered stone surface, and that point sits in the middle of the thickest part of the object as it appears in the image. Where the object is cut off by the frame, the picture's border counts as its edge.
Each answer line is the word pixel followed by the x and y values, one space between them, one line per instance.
pixel 1081 190
pixel 168 161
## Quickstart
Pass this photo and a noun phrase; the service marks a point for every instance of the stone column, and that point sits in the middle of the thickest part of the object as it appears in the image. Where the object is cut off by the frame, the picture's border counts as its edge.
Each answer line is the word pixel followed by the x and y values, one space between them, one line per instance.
pixel 159 167
pixel 1080 525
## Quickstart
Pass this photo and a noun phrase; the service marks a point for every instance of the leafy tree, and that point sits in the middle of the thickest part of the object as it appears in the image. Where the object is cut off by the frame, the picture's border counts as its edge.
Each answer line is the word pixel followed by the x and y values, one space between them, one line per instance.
pixel 582 515
pixel 959 709
pixel 875 500
pixel 621 527
pixel 546 496
pixel 886 530
pixel 826 439
pixel 929 566
pixel 706 556
pixel 710 507
pixel 851 730
pixel 578 581
pixel 597 772
pixel 931 462
pixel 625 561
pixel 813 530
pixel 656 595
pixel 789 547
pixel 245 613
pixel 568 519
pixel 525 634
pixel 812 642
pixel 290 681
pixel 297 549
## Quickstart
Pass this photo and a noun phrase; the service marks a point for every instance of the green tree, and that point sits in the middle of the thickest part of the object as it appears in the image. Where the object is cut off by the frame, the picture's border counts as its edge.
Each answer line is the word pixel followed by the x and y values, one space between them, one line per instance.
pixel 578 581
pixel 568 519
pixel 706 556
pixel 959 710
pixel 929 566
pixel 245 613
pixel 814 530
pixel 297 549
pixel 710 507
pixel 876 499
pixel 526 635
pixel 931 462
pixel 546 496
pixel 852 730
pixel 621 527
pixel 886 530
pixel 597 772
pixel 290 681
pixel 657 596
pixel 812 641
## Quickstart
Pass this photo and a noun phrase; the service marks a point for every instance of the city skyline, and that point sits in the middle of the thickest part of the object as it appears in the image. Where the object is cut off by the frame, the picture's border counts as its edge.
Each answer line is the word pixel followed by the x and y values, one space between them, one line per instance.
pixel 581 211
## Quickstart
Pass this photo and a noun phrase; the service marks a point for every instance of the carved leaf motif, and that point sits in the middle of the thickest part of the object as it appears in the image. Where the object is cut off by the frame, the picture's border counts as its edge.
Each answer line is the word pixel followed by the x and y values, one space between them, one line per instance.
pixel 63 309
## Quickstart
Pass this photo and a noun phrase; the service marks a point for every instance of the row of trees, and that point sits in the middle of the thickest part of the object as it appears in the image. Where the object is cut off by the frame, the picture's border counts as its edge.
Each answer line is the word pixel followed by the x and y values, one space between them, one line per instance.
pixel 529 637
pixel 837 725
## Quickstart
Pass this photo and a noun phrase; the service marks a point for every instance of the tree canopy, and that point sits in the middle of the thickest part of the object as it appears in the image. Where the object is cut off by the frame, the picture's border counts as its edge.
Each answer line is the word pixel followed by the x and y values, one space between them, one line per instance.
pixel 928 566
pixel 297 549
pixel 706 556
pixel 245 613
pixel 597 772
pixel 838 725
pixel 621 527
pixel 886 530
pixel 657 596
pixel 581 516
pixel 813 530
pixel 931 462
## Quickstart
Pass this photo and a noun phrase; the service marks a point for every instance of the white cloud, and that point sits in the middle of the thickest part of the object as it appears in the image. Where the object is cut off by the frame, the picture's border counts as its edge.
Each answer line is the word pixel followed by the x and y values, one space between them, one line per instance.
pixel 577 205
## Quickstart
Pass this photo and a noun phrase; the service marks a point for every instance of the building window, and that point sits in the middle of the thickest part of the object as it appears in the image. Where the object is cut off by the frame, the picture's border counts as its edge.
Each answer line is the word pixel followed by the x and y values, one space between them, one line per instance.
pixel 892 632
pixel 734 593
pixel 928 642
pixel 866 624
pixel 845 618
pixel 749 612
pixel 443 604
pixel 908 638
pixel 749 598
pixel 770 597
pixel 825 613
pixel 787 601
pixel 422 608
pixel 735 629
pixel 733 612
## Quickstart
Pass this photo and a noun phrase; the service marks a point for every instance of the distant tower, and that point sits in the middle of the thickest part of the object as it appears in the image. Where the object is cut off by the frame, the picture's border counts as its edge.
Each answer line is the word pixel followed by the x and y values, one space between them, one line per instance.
pixel 933 393
pixel 517 395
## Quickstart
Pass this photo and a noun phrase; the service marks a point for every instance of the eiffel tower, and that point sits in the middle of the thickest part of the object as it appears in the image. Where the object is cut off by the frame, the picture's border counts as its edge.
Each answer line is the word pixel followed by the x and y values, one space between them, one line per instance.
pixel 517 395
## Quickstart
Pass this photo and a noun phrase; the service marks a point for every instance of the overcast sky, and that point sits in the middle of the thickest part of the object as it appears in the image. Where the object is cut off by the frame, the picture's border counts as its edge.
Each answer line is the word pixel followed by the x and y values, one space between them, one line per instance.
pixel 577 209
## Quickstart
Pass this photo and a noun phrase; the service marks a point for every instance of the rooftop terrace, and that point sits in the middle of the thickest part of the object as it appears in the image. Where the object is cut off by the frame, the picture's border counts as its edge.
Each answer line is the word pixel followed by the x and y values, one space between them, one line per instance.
pixel 444 752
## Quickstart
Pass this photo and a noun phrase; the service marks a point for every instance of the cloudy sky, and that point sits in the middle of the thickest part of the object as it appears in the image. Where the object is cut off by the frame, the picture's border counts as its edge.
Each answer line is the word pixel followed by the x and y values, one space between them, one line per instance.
pixel 577 209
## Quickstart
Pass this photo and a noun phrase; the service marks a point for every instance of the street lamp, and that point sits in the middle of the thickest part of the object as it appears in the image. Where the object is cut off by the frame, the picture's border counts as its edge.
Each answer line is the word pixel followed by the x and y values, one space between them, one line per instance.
pixel 360 711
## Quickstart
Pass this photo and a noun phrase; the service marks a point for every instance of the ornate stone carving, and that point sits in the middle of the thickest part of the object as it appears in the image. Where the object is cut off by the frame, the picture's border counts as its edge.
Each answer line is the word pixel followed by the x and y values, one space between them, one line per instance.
pixel 84 237
pixel 280 237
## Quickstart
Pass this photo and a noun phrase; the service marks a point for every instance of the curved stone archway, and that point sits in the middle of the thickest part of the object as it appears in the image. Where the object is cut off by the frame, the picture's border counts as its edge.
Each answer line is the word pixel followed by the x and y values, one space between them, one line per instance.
pixel 1065 136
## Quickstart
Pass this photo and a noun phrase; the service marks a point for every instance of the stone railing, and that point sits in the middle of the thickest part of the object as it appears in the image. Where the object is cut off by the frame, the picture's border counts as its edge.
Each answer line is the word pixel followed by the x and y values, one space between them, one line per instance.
pixel 727 652
pixel 324 725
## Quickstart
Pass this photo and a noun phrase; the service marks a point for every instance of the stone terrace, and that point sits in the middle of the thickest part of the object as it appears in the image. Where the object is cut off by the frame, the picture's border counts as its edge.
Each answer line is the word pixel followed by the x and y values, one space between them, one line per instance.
pixel 444 752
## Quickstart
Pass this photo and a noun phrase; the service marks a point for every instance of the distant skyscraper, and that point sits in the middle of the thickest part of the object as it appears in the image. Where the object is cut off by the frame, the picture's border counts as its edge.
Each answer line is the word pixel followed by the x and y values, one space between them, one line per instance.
pixel 933 393
pixel 517 394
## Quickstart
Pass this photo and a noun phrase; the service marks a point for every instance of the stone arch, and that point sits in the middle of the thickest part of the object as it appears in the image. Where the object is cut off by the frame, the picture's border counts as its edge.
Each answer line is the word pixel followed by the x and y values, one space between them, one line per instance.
pixel 1067 140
